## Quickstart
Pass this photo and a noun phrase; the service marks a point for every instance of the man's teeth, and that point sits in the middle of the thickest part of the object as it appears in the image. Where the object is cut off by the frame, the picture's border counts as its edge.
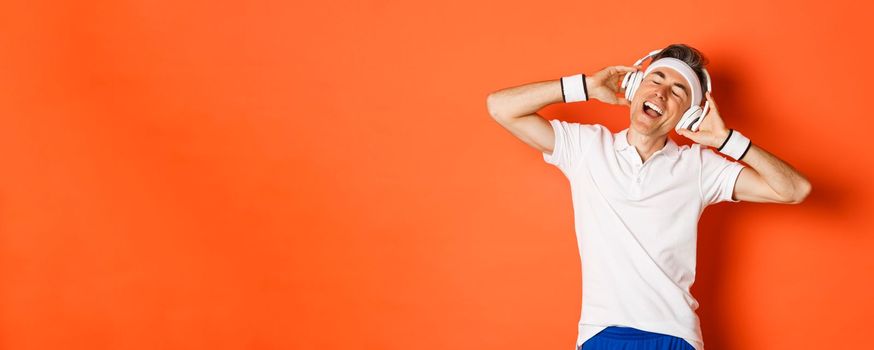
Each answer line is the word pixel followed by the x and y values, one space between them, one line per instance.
pixel 654 107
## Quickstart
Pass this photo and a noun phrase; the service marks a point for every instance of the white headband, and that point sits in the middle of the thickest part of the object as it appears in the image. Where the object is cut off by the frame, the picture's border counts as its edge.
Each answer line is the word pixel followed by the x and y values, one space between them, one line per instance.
pixel 685 71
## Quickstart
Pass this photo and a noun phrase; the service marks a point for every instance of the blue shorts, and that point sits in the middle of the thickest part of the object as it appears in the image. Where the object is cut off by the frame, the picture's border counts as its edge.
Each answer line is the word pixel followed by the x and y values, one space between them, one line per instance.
pixel 627 338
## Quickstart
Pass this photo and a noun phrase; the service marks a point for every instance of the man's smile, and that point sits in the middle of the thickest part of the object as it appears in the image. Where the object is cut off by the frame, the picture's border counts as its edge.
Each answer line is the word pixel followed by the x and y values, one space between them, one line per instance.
pixel 653 110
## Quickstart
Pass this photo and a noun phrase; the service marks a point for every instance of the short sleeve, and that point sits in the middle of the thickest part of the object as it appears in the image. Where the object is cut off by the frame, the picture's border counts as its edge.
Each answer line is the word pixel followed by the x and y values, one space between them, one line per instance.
pixel 718 177
pixel 571 142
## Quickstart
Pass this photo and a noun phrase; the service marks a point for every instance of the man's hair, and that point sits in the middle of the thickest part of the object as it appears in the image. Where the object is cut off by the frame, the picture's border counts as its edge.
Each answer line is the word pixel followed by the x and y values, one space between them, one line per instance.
pixel 687 54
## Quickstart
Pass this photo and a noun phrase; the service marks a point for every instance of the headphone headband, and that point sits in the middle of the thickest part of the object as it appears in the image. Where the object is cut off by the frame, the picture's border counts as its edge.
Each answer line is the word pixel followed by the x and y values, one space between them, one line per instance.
pixel 652 53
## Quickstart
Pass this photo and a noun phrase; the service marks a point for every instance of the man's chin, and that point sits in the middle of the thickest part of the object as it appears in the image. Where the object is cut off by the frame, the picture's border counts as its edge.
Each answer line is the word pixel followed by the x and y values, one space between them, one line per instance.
pixel 647 121
pixel 647 125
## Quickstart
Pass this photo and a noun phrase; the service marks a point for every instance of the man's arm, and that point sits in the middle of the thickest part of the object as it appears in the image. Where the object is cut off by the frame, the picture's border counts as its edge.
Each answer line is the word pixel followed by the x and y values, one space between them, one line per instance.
pixel 516 108
pixel 767 180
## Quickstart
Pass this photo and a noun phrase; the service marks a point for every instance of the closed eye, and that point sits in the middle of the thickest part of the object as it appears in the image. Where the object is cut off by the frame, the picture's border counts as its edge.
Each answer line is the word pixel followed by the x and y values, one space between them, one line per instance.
pixel 672 91
pixel 662 76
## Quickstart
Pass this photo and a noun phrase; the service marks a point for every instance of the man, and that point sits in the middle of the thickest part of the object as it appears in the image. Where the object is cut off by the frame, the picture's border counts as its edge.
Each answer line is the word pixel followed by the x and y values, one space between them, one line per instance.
pixel 637 195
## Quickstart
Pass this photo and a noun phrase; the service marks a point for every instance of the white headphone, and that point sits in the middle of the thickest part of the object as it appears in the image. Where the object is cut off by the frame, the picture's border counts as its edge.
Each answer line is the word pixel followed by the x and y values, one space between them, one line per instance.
pixel 693 116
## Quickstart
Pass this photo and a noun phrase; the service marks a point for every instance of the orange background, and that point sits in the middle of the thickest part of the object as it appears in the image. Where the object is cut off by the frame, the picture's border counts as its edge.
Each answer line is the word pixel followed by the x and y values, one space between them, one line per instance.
pixel 296 175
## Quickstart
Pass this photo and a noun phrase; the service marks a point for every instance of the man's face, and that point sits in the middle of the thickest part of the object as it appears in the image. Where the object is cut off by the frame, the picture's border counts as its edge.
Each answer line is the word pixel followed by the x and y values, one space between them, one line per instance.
pixel 669 92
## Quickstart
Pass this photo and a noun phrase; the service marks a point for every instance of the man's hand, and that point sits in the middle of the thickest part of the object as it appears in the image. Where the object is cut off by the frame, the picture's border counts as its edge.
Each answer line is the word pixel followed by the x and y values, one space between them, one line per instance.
pixel 605 84
pixel 768 179
pixel 712 131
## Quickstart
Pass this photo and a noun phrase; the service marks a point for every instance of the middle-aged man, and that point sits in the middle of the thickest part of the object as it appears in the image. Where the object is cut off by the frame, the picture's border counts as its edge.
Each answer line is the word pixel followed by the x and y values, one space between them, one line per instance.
pixel 638 196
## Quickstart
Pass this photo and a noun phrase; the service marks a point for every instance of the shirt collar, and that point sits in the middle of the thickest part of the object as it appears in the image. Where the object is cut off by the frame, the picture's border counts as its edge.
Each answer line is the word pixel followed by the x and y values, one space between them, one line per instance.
pixel 620 143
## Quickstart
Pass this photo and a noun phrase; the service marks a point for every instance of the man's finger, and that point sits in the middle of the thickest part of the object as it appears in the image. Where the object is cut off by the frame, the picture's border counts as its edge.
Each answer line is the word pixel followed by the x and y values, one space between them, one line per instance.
pixel 625 68
pixel 687 133
pixel 710 99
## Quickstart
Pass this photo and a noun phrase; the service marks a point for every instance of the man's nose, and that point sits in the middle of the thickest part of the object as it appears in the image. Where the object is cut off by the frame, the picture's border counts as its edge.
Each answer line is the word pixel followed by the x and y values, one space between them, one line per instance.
pixel 661 93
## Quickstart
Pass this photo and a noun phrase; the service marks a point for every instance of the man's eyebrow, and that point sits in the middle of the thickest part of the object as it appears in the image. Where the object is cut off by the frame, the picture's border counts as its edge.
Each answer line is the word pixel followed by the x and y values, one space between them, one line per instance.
pixel 662 75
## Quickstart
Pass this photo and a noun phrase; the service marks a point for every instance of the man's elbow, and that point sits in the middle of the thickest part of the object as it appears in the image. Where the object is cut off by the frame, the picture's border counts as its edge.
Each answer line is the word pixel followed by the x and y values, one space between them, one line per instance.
pixel 801 193
pixel 494 106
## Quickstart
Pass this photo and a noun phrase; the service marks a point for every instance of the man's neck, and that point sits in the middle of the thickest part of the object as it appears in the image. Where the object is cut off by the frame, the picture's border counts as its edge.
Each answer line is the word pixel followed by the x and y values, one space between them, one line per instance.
pixel 646 145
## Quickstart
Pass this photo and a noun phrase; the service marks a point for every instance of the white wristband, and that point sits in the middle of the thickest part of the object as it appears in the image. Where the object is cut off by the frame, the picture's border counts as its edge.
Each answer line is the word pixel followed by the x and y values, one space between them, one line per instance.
pixel 735 145
pixel 573 88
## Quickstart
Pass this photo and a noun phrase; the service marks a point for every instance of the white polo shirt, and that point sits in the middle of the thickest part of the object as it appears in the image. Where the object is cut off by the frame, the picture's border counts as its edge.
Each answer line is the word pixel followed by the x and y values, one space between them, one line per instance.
pixel 636 225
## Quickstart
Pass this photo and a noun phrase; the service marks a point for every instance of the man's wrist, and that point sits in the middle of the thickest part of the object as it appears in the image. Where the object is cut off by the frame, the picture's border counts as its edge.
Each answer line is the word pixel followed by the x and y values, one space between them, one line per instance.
pixel 722 138
pixel 735 145
pixel 587 81
pixel 573 88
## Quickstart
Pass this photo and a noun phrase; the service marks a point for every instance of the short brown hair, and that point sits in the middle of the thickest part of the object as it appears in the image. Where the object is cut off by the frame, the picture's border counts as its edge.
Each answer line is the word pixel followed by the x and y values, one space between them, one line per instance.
pixel 688 54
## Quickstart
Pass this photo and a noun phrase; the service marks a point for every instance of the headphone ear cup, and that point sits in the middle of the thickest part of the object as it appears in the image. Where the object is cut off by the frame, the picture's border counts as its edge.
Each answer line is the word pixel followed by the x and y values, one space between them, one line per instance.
pixel 696 121
pixel 699 116
pixel 634 84
pixel 689 118
pixel 637 81
pixel 626 84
